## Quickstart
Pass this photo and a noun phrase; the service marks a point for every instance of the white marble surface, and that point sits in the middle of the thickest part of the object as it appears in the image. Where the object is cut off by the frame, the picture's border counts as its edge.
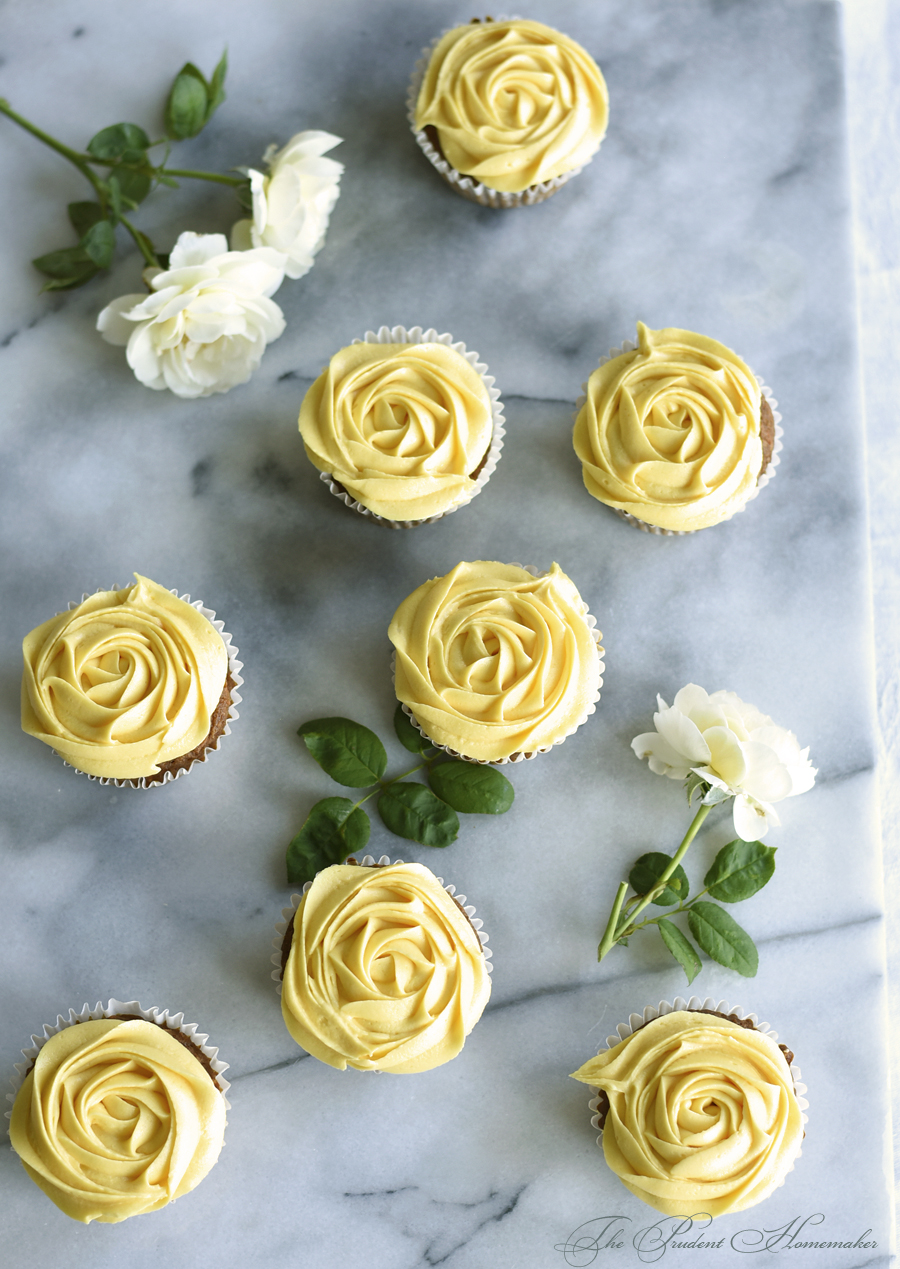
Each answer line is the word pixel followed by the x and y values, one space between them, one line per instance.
pixel 720 201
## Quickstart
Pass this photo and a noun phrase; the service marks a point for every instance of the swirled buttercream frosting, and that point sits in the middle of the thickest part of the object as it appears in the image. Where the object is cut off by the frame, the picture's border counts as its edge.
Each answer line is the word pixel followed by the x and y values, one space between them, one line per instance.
pixel 385 971
pixel 127 680
pixel 702 1115
pixel 116 1118
pixel 670 432
pixel 403 427
pixel 514 103
pixel 493 661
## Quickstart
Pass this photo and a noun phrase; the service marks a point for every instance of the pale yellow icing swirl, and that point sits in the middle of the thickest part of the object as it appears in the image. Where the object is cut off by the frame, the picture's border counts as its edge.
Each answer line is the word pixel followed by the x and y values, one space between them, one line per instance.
pixel 116 1119
pixel 670 432
pixel 703 1116
pixel 127 680
pixel 385 971
pixel 493 661
pixel 400 426
pixel 514 103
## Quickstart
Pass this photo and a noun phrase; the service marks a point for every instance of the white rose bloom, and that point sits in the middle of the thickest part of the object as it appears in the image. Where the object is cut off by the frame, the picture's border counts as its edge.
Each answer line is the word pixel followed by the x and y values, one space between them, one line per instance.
pixel 206 322
pixel 732 746
pixel 291 205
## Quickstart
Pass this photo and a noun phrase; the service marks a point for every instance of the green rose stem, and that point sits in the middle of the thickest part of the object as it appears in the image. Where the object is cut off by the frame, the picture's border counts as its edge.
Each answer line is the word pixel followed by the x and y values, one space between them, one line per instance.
pixel 80 161
pixel 612 933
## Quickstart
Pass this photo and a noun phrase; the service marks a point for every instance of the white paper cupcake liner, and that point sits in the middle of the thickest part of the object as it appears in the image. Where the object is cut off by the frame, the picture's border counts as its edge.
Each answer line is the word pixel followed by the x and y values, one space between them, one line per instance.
pixel 637 1020
pixel 161 1017
pixel 596 635
pixel 628 345
pixel 415 335
pixel 234 669
pixel 474 191
pixel 369 861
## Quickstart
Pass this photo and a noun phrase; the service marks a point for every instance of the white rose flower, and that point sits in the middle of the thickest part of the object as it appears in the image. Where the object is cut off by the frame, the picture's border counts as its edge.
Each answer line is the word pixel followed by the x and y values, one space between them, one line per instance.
pixel 733 747
pixel 291 205
pixel 206 322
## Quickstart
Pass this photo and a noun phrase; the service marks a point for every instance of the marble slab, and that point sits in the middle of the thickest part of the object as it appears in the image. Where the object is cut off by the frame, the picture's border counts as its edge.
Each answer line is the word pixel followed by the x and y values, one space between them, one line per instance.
pixel 719 202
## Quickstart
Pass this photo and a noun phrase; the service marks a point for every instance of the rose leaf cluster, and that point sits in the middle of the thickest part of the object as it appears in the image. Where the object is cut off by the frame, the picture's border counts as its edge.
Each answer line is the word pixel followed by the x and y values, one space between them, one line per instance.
pixel 354 757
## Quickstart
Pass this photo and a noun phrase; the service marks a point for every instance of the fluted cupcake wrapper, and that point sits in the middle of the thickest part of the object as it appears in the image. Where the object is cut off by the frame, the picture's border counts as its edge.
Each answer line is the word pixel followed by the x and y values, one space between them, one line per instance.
pixel 369 861
pixel 160 1017
pixel 416 335
pixel 234 669
pixel 768 475
pixel 474 191
pixel 596 635
pixel 651 1012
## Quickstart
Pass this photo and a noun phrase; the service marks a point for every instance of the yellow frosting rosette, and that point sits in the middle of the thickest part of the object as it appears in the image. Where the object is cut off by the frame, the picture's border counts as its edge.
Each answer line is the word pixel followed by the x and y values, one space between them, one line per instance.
pixel 385 971
pixel 116 1118
pixel 403 426
pixel 514 103
pixel 493 661
pixel 123 682
pixel 669 432
pixel 703 1115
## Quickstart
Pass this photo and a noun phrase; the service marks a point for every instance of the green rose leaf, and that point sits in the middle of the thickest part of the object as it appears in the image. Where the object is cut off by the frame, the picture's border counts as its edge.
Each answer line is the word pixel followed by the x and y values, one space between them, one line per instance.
pixel 125 142
pixel 350 753
pixel 99 243
pixel 134 186
pixel 646 874
pixel 472 789
pixel 412 810
pixel 681 948
pixel 217 85
pixel 409 736
pixel 83 215
pixel 720 937
pixel 692 784
pixel 739 870
pixel 69 284
pixel 187 108
pixel 334 829
pixel 65 265
pixel 114 190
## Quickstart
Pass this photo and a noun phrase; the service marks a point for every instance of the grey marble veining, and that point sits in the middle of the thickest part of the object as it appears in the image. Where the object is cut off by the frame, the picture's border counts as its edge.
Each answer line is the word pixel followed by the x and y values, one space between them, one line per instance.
pixel 718 201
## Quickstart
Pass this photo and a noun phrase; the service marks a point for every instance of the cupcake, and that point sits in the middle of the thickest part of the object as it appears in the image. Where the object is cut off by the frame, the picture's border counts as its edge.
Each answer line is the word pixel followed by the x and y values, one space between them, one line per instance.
pixel 119 1112
pixel 404 426
pixel 677 433
pixel 382 968
pixel 507 111
pixel 495 662
pixel 699 1107
pixel 131 686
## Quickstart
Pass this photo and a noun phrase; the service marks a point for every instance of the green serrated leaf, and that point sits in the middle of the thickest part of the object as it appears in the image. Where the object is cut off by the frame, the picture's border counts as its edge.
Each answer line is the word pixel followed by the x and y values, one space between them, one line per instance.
pixel 188 104
pixel 739 870
pixel 714 795
pixel 217 85
pixel 334 829
pixel 65 264
pixel 692 784
pixel 413 811
pixel 124 141
pixel 646 874
pixel 409 736
pixel 69 284
pixel 83 215
pixel 350 753
pixel 720 937
pixel 134 186
pixel 99 243
pixel 472 789
pixel 681 948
